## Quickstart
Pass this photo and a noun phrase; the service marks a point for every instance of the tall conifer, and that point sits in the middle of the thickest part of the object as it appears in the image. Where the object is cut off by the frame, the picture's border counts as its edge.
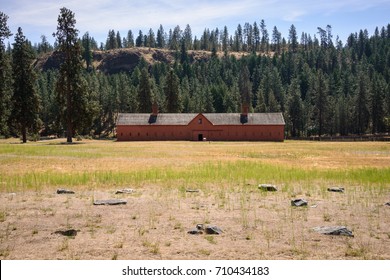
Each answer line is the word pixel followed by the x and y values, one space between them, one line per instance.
pixel 71 86
pixel 25 98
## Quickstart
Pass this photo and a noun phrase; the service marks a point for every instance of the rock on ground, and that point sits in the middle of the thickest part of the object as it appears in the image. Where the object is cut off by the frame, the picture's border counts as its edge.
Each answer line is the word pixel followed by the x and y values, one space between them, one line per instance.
pixel 298 202
pixel 110 202
pixel 334 230
pixel 267 187
pixel 64 191
pixel 68 232
pixel 336 189
pixel 125 191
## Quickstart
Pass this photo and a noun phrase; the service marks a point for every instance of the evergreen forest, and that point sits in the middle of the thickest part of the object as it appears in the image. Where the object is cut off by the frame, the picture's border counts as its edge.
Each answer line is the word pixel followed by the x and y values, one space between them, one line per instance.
pixel 323 86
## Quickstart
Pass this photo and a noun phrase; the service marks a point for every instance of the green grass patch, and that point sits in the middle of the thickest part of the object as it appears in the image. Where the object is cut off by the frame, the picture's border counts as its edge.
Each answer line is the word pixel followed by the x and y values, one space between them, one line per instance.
pixel 236 172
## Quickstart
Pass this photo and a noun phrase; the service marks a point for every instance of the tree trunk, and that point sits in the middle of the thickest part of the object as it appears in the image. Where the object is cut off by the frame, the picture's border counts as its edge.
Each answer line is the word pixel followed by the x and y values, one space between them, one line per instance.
pixel 69 128
pixel 24 134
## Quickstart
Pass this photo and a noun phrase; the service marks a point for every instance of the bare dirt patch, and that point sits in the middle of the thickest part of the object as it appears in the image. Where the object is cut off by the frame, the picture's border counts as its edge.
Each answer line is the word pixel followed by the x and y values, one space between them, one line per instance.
pixel 154 224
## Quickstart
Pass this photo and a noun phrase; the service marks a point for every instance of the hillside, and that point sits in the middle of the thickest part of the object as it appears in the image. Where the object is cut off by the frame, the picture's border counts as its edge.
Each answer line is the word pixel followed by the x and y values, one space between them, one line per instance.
pixel 125 60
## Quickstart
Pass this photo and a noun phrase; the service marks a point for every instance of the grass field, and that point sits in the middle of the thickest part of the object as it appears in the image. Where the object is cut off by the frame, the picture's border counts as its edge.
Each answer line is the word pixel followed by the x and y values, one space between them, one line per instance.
pixel 154 223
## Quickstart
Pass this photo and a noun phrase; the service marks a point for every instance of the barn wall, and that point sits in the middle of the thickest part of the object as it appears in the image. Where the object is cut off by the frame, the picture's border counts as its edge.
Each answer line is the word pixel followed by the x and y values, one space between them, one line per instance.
pixel 194 131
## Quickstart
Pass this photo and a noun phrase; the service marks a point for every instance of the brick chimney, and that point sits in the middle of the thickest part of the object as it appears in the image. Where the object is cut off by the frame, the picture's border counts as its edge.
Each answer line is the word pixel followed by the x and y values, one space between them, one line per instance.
pixel 154 109
pixel 153 115
pixel 244 113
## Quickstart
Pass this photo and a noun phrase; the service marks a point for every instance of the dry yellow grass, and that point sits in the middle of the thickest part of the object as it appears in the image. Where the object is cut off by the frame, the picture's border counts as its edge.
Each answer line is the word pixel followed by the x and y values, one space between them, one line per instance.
pixel 154 223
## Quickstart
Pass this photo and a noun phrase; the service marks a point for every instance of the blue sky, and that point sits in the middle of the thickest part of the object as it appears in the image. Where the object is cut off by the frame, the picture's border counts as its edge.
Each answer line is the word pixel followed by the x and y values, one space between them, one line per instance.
pixel 39 17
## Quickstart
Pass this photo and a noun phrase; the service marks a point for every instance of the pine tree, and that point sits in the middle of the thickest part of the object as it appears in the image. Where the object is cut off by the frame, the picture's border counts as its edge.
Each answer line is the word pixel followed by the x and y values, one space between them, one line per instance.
pixel 140 40
pixel 172 93
pixel 377 103
pixel 264 37
pixel 5 77
pixel 70 87
pixel 361 105
pixel 295 108
pixel 44 46
pixel 111 42
pixel 25 98
pixel 130 39
pixel 151 39
pixel 293 39
pixel 245 85
pixel 320 93
pixel 160 37
pixel 261 107
pixel 145 95
pixel 187 37
pixel 276 40
pixel 256 37
pixel 118 40
pixel 273 104
pixel 87 52
pixel 225 40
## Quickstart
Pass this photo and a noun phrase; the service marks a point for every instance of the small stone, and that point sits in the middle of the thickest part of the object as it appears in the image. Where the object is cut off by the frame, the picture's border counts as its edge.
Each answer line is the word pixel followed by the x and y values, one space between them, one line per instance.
pixel 213 230
pixel 387 203
pixel 298 202
pixel 192 191
pixel 110 202
pixel 125 191
pixel 64 191
pixel 335 230
pixel 336 189
pixel 267 187
pixel 198 230
pixel 69 232
pixel 195 231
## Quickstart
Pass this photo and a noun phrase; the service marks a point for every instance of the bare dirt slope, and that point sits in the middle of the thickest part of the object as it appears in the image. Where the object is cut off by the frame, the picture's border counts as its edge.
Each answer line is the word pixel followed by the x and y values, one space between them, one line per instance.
pixel 125 60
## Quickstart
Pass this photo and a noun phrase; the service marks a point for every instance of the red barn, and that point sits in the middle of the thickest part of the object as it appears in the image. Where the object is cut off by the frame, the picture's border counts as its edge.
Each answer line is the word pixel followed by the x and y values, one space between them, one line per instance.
pixel 203 126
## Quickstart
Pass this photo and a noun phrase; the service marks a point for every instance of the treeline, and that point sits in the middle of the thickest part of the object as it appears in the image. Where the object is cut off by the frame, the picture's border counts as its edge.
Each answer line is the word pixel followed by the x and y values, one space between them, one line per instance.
pixel 321 86
pixel 246 38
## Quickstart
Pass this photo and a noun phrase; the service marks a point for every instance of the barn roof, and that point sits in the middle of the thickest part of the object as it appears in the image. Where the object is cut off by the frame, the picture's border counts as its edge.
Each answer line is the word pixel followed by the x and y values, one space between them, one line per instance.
pixel 214 118
pixel 253 118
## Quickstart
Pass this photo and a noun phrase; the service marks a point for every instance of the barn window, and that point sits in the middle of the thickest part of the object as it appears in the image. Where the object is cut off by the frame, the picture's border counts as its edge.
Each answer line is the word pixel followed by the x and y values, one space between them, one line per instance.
pixel 139 134
pixel 121 133
pixel 147 134
pixel 130 133
pixel 199 121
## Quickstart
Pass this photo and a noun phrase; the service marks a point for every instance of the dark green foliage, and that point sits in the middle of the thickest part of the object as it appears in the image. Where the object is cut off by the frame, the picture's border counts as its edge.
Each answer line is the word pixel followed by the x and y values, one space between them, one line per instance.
pixel 321 86
pixel 172 93
pixel 71 86
pixel 5 77
pixel 145 95
pixel 320 100
pixel 86 43
pixel 25 113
